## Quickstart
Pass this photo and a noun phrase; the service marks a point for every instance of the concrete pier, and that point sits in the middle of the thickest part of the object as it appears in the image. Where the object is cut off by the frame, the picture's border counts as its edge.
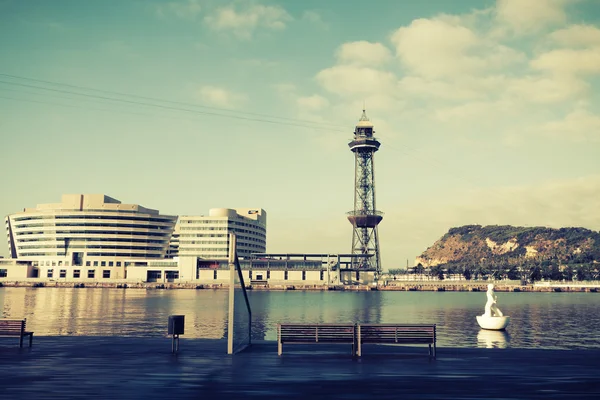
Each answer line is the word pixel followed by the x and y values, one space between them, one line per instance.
pixel 80 367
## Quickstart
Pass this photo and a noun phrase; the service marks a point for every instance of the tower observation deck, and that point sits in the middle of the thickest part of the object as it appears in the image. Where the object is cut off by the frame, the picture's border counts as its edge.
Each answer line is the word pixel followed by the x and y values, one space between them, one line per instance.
pixel 365 217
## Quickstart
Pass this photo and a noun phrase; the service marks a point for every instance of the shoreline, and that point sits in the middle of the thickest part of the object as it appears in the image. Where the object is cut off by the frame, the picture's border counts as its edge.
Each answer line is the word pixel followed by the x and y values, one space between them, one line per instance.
pixel 406 286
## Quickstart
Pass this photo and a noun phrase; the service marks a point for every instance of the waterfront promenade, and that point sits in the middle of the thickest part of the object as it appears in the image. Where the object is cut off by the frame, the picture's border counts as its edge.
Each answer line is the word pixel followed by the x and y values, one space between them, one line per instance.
pixel 88 367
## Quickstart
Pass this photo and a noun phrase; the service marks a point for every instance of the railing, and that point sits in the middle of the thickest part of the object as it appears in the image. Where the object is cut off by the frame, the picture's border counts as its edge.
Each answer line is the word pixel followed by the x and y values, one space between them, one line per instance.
pixel 365 212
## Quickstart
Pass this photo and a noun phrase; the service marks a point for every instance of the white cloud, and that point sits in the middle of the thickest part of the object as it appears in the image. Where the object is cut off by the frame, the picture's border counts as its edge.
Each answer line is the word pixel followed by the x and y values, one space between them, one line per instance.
pixel 355 80
pixel 243 23
pixel 577 35
pixel 185 9
pixel 220 97
pixel 314 18
pixel 465 88
pixel 578 125
pixel 530 16
pixel 441 48
pixel 546 89
pixel 569 61
pixel 314 102
pixel 363 53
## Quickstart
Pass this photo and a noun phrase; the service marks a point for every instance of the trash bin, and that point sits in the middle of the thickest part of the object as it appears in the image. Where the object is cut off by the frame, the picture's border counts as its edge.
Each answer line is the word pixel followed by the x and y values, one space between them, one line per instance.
pixel 176 324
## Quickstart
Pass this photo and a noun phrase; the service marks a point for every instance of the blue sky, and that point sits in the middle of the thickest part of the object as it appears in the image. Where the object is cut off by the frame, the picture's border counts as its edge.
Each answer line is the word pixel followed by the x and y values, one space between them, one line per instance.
pixel 488 111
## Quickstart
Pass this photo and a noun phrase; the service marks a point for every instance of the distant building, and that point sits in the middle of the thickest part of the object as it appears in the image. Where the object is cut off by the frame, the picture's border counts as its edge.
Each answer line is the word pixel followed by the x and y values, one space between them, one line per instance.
pixel 208 237
pixel 92 231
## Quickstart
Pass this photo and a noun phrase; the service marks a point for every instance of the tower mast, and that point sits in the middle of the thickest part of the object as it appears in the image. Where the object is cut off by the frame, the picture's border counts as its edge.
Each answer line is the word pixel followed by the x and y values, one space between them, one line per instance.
pixel 365 217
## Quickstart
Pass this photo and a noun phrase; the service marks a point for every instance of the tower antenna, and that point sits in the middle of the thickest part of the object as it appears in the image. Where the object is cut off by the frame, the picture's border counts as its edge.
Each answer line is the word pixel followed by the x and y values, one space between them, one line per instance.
pixel 365 217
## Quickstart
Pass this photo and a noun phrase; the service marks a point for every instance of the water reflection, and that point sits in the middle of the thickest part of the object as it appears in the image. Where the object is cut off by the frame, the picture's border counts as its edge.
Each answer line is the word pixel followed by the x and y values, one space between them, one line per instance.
pixel 538 320
pixel 492 339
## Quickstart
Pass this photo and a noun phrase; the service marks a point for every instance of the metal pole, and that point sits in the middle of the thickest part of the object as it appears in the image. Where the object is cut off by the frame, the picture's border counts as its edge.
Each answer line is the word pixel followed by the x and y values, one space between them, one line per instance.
pixel 232 244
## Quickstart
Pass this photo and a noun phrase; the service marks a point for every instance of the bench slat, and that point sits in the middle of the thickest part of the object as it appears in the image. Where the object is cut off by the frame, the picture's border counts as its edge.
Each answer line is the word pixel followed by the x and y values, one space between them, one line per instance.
pixel 357 334
pixel 15 327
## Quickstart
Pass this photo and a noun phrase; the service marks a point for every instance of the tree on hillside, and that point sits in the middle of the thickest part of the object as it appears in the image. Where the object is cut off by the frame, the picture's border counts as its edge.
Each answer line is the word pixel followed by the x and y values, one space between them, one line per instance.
pixel 467 273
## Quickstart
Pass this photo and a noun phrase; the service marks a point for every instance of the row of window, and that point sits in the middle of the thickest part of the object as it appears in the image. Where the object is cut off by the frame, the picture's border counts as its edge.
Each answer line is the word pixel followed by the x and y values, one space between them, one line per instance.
pixel 186 239
pixel 112 247
pixel 54 263
pixel 212 235
pixel 247 247
pixel 106 215
pixel 84 239
pixel 89 224
pixel 285 275
pixel 94 254
pixel 94 232
pixel 77 273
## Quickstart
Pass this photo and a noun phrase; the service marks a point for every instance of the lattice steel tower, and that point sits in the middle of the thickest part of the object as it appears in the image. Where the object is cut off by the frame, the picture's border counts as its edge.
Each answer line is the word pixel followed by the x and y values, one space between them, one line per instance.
pixel 365 217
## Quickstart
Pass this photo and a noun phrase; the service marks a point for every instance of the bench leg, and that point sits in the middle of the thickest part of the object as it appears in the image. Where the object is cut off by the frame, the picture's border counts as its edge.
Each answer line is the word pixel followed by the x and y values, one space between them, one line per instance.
pixel 21 341
pixel 279 348
pixel 31 339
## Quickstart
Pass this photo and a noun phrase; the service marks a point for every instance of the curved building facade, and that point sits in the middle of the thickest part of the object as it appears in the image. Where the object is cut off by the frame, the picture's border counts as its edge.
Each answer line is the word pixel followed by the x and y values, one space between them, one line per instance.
pixel 88 229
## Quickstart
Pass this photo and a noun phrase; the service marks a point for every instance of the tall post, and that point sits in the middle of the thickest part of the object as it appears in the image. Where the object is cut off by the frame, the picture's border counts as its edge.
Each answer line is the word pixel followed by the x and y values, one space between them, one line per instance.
pixel 365 217
pixel 232 274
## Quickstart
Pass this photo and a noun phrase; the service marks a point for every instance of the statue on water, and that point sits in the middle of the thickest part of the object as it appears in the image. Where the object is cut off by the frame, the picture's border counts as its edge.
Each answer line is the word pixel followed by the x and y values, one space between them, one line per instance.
pixel 491 309
pixel 492 317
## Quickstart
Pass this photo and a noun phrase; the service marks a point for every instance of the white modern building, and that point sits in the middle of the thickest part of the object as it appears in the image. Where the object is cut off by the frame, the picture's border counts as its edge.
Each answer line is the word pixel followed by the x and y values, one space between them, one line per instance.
pixel 87 235
pixel 207 237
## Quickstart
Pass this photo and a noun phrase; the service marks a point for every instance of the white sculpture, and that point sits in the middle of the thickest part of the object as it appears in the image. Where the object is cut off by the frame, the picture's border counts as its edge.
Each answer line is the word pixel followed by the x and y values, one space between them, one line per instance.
pixel 491 309
pixel 492 318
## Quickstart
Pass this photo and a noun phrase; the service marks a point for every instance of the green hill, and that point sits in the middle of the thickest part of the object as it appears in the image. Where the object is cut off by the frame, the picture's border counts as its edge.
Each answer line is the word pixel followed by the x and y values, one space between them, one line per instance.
pixel 516 252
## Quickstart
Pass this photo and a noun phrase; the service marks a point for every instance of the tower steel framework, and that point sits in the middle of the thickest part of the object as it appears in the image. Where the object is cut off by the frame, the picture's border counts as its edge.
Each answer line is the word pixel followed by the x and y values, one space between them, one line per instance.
pixel 365 218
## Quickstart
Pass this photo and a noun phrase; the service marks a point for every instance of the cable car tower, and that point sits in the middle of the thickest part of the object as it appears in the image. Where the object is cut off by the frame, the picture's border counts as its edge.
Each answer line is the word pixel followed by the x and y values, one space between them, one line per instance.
pixel 365 217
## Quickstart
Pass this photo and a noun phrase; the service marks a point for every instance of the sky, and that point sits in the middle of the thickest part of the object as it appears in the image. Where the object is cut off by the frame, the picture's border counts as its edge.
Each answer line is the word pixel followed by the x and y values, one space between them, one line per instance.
pixel 488 112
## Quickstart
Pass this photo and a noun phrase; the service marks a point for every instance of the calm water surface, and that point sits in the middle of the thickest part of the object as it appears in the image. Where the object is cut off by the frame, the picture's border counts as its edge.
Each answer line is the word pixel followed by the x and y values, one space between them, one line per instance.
pixel 538 320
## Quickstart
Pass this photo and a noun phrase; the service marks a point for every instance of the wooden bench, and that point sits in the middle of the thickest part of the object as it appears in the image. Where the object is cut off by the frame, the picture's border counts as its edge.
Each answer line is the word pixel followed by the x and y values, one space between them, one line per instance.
pixel 397 334
pixel 315 333
pixel 15 327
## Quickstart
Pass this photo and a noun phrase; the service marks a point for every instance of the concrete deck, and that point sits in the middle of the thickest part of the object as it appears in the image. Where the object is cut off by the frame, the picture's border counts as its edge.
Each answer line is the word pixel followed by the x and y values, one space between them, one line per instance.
pixel 144 368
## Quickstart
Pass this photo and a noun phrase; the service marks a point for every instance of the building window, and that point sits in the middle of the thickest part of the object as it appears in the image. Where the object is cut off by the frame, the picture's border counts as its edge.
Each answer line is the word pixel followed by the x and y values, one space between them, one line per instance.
pixel 3 273
pixel 54 263
pixel 67 263
pixel 103 264
pixel 285 275
pixel 60 263
pixel 63 273
pixel 268 274
pixel 250 274
pixel 322 275
pixel 106 273
pixel 50 273
pixel 110 263
pixel 357 275
pixel 118 263
pixel 95 263
pixel 88 263
pixel 91 273
pixel 215 274
pixel 303 275
pixel 153 276
pixel 171 275
pixel 76 273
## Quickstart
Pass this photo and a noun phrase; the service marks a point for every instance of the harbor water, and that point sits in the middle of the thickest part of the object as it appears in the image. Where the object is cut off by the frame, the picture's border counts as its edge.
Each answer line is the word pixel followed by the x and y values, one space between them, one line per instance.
pixel 538 320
